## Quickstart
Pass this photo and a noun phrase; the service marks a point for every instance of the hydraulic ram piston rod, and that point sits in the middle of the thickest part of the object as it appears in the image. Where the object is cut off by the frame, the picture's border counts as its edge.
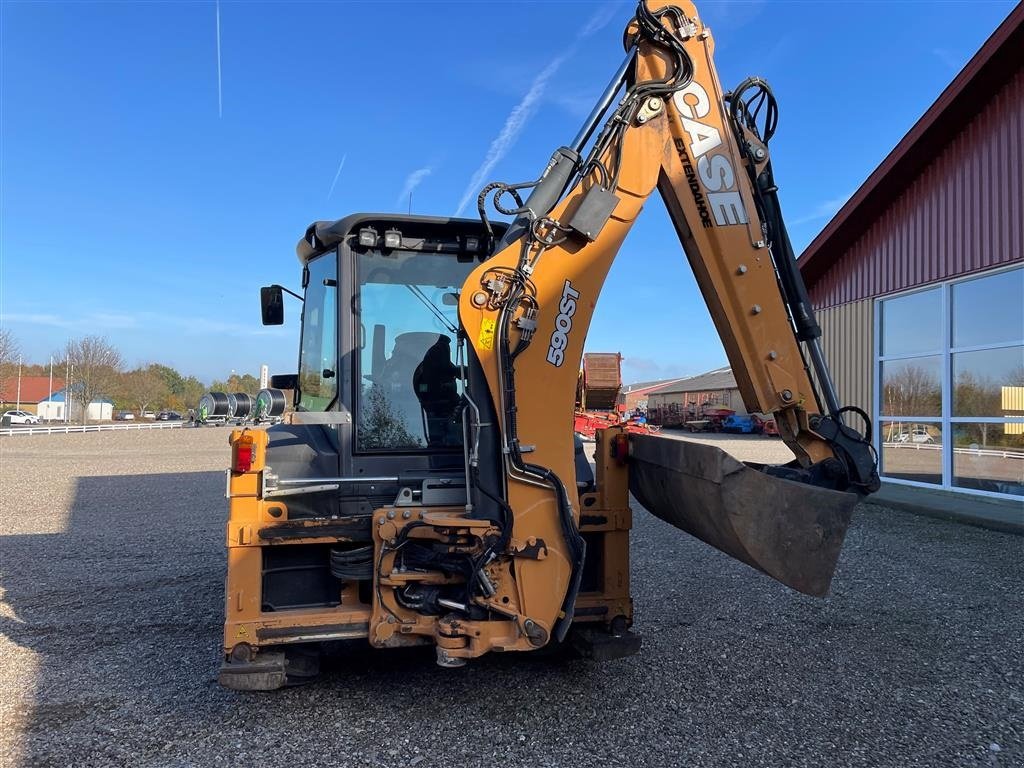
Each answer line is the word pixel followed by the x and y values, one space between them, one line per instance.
pixel 604 102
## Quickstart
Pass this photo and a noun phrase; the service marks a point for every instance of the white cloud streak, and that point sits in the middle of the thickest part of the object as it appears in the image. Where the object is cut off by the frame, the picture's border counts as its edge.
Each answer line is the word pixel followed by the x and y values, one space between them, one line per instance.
pixel 577 105
pixel 826 208
pixel 101 321
pixel 412 181
pixel 527 107
pixel 514 125
pixel 949 58
pixel 35 319
pixel 337 174
pixel 600 19
pixel 220 92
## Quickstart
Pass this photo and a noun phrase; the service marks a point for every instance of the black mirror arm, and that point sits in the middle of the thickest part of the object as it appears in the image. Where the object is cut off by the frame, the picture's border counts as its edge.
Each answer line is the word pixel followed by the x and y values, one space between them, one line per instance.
pixel 290 293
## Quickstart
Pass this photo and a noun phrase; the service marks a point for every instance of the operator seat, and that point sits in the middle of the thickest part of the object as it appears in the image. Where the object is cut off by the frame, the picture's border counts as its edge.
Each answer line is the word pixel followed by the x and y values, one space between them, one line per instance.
pixel 436 387
pixel 396 377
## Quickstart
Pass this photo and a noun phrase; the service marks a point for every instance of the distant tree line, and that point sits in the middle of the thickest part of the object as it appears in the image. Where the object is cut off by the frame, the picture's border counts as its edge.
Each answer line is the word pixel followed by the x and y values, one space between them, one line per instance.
pixel 97 370
pixel 915 390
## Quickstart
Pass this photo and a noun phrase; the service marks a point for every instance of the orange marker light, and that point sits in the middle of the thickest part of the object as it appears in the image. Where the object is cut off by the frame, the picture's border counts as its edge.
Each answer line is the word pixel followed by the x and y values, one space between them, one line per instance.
pixel 244 452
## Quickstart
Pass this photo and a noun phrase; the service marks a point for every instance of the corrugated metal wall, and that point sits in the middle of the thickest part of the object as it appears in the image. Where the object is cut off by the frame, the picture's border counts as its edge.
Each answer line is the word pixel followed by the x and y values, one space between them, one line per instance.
pixel 961 215
pixel 847 333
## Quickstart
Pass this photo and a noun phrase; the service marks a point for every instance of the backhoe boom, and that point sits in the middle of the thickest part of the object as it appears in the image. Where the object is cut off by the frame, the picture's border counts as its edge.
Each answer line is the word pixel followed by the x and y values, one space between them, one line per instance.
pixel 527 309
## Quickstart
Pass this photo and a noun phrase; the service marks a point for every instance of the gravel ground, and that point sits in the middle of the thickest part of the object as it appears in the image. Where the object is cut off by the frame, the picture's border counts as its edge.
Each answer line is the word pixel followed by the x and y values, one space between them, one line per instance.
pixel 110 618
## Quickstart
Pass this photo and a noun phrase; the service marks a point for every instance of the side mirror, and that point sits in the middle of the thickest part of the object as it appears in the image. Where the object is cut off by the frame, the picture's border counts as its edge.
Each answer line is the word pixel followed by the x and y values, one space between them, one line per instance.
pixel 284 381
pixel 272 305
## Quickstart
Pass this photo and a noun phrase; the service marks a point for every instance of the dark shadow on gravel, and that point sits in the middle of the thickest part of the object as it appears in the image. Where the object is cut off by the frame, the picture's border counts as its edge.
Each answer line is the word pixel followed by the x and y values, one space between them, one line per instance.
pixel 915 659
pixel 117 607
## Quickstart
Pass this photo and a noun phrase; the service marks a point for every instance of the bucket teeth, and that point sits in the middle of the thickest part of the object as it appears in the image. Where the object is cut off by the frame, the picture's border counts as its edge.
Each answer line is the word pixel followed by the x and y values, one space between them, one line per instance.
pixel 790 531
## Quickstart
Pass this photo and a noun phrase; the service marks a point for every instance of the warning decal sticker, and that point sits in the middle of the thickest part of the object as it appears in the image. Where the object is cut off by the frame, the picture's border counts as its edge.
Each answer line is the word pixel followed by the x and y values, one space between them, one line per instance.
pixel 486 339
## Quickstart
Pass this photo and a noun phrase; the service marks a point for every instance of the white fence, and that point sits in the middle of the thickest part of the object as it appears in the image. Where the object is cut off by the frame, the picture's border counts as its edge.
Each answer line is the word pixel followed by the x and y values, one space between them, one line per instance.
pixel 997 452
pixel 67 429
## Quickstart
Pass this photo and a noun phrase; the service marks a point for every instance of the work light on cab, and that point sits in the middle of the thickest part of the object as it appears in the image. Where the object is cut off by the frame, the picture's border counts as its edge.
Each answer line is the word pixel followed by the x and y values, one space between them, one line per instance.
pixel 368 237
pixel 392 239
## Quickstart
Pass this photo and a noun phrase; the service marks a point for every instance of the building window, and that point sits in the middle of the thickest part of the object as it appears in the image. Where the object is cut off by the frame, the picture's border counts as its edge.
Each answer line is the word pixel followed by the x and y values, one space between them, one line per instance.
pixel 949 384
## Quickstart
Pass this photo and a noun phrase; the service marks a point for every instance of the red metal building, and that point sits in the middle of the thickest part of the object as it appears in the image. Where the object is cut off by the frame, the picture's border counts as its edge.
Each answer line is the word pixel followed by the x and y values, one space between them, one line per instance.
pixel 919 285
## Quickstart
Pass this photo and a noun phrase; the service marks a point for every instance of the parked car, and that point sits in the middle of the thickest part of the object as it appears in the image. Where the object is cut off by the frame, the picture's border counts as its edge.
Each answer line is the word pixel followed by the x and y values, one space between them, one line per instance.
pixel 915 435
pixel 124 416
pixel 148 415
pixel 168 416
pixel 20 417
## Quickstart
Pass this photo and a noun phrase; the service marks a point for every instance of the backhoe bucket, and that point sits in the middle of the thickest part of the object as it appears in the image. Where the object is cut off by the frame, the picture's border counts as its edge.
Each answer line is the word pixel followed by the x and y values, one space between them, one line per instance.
pixel 790 531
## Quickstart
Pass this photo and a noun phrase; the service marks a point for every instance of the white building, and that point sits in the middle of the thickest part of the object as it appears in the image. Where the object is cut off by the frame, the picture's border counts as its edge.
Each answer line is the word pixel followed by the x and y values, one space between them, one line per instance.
pixel 56 408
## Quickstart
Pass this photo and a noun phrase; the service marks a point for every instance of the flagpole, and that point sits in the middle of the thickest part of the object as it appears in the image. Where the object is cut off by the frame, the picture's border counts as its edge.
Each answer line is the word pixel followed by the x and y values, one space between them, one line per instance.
pixel 18 406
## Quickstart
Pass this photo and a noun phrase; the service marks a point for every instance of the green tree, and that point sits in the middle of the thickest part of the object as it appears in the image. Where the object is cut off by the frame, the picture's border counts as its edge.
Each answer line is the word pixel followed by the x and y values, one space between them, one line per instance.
pixel 188 394
pixel 173 380
pixel 245 382
pixel 381 426
pixel 143 389
pixel 183 392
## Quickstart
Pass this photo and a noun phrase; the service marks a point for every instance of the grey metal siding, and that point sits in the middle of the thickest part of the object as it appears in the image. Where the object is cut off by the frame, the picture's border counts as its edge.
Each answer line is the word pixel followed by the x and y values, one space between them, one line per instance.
pixel 962 214
pixel 847 338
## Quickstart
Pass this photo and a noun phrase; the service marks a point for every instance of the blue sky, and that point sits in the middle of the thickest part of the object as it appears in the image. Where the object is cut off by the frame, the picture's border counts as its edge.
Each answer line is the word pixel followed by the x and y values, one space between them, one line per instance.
pixel 141 202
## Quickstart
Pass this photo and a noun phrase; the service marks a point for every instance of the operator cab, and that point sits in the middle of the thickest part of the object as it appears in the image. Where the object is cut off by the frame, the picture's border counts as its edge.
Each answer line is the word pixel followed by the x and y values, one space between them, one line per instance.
pixel 378 394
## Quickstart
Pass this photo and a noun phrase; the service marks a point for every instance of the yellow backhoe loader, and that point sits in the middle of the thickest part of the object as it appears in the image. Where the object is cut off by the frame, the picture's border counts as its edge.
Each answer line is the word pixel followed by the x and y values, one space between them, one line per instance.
pixel 428 489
